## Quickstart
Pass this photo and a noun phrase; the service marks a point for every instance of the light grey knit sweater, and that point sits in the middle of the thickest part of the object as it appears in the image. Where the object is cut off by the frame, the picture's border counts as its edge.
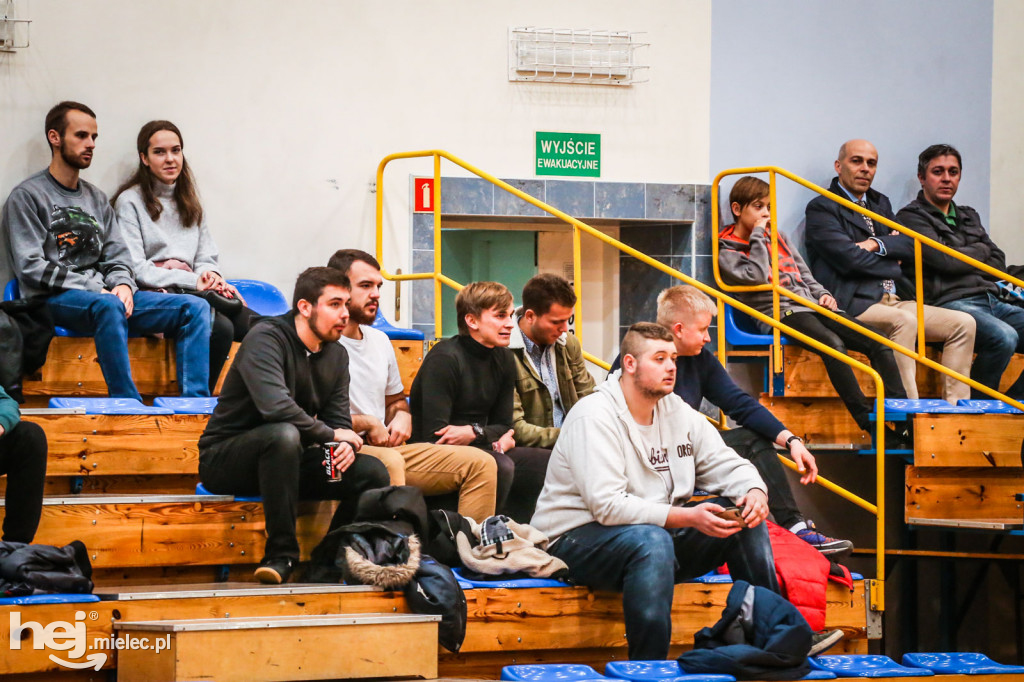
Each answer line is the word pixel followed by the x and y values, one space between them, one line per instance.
pixel 151 241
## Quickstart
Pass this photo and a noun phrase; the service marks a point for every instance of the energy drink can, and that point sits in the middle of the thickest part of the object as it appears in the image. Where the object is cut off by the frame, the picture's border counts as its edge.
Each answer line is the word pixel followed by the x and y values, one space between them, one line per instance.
pixel 333 475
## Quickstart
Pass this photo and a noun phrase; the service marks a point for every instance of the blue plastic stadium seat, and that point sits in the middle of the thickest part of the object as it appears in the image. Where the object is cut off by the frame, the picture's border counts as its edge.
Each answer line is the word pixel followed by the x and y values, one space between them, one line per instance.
pixel 12 292
pixel 261 297
pixel 742 330
pixel 642 671
pixel 521 583
pixel 958 663
pixel 865 666
pixel 108 406
pixel 186 405
pixel 818 675
pixel 396 333
pixel 50 599
pixel 551 671
pixel 989 406
pixel 712 578
pixel 201 490
pixel 903 406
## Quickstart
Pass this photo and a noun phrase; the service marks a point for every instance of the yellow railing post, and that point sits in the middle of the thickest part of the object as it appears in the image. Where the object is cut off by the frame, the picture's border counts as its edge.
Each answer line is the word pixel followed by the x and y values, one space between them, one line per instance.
pixel 577 281
pixel 438 322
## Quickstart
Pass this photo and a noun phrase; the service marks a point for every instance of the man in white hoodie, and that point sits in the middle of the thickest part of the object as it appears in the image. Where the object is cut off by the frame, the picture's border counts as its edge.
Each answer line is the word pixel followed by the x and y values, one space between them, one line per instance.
pixel 614 503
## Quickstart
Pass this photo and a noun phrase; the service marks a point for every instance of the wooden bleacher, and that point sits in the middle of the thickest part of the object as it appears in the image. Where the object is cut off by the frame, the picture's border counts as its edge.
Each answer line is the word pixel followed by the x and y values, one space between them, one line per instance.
pixel 124 485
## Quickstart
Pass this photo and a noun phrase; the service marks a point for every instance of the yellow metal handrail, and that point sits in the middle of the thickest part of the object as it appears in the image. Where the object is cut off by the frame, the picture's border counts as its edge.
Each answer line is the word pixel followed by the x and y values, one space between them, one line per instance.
pixel 919 239
pixel 877 595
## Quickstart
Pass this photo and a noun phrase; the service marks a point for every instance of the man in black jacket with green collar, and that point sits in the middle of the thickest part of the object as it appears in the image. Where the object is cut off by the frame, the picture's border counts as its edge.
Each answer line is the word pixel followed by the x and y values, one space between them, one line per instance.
pixel 952 283
pixel 285 395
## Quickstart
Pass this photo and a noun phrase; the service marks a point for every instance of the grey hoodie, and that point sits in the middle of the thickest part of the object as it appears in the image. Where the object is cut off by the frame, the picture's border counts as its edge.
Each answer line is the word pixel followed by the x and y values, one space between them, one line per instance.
pixel 600 472
pixel 59 239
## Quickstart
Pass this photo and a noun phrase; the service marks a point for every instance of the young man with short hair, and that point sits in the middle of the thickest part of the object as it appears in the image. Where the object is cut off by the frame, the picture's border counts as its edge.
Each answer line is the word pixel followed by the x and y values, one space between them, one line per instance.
pixel 551 375
pixel 860 262
pixel 615 501
pixel 687 314
pixel 954 284
pixel 744 259
pixel 285 396
pixel 380 412
pixel 64 244
pixel 464 392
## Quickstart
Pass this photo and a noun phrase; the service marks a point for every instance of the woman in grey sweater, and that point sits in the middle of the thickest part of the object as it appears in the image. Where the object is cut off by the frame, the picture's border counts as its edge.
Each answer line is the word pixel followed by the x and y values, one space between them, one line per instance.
pixel 172 250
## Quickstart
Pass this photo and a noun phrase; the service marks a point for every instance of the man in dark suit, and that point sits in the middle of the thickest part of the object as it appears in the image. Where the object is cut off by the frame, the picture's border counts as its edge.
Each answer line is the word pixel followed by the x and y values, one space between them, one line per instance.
pixel 858 260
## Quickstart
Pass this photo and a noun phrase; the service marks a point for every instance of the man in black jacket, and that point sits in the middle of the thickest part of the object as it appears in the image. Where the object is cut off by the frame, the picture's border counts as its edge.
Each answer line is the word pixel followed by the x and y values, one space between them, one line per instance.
pixel 858 260
pixel 285 395
pixel 954 284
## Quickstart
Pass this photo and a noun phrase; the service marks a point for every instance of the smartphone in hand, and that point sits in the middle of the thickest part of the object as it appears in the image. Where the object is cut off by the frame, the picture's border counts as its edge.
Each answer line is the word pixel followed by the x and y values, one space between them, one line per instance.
pixel 732 514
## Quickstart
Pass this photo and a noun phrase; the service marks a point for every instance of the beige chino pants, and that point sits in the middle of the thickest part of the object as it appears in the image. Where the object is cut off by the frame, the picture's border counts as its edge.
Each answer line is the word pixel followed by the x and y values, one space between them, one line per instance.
pixel 439 469
pixel 897 320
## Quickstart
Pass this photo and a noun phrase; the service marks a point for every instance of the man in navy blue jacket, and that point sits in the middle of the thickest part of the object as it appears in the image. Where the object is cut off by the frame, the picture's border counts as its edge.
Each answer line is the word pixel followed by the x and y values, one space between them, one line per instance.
pixel 687 313
pixel 859 261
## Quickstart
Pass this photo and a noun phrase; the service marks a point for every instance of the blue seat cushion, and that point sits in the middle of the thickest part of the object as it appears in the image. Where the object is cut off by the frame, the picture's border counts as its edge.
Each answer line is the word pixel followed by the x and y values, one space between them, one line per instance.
pixel 865 666
pixel 551 671
pixel 521 583
pixel 959 663
pixel 642 671
pixel 819 675
pixel 50 599
pixel 201 490
pixel 923 406
pixel 261 297
pixel 396 333
pixel 712 578
pixel 108 406
pixel 186 405
pixel 742 330
pixel 989 406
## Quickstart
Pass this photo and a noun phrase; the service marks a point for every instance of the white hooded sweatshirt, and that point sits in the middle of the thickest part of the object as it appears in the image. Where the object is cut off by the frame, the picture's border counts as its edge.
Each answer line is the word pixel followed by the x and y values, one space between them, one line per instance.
pixel 600 469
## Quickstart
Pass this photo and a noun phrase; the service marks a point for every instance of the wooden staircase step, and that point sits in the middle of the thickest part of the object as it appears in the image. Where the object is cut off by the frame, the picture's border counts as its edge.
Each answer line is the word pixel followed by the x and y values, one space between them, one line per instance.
pixel 964 494
pixel 170 530
pixel 968 440
pixel 281 648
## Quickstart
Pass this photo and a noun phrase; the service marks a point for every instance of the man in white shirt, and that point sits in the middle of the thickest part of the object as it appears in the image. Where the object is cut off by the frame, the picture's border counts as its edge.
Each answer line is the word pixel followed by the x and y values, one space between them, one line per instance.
pixel 380 412
pixel 614 504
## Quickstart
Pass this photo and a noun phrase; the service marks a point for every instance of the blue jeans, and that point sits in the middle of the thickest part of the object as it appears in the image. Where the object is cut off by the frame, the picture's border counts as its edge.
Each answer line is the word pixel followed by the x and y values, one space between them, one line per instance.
pixel 1000 334
pixel 186 319
pixel 644 562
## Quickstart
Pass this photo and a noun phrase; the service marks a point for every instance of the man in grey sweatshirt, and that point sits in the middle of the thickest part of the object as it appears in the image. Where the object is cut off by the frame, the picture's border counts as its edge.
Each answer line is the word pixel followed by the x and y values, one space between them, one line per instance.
pixel 64 244
pixel 615 500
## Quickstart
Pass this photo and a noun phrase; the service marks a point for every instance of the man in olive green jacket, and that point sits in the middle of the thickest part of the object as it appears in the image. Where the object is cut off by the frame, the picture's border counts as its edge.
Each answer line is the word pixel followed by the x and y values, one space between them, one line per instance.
pixel 550 372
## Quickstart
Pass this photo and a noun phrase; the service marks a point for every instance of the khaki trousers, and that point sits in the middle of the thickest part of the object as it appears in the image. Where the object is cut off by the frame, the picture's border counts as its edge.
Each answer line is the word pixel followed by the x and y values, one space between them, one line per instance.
pixel 439 469
pixel 897 320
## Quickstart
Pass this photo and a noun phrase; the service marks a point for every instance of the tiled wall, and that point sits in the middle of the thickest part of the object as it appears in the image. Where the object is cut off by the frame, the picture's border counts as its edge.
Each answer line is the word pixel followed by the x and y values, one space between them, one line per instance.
pixel 671 223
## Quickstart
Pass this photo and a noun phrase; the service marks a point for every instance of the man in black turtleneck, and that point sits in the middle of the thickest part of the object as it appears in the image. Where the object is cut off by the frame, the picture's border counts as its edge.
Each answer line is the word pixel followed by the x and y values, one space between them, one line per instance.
pixel 463 395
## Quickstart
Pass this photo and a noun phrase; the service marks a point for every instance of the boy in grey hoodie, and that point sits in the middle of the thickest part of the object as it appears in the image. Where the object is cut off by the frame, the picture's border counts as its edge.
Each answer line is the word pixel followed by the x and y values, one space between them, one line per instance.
pixel 614 502
pixel 64 244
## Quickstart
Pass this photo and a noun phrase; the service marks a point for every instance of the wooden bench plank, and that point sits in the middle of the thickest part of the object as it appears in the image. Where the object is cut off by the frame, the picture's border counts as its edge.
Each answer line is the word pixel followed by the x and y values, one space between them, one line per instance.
pixel 410 357
pixel 962 493
pixel 72 368
pixel 817 420
pixel 968 440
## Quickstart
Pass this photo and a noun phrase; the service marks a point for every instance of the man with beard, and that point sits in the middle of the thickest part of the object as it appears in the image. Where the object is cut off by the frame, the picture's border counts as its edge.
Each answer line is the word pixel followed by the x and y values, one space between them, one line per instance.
pixel 381 414
pixel 285 396
pixel 615 500
pixel 65 245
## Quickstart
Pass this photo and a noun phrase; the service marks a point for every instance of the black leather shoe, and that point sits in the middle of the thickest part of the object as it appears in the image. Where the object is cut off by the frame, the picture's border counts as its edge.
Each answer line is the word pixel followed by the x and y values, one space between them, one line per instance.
pixel 275 570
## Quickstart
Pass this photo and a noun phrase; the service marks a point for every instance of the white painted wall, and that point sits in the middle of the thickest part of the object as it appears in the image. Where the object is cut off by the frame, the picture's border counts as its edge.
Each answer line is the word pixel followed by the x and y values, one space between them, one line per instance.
pixel 1007 133
pixel 287 108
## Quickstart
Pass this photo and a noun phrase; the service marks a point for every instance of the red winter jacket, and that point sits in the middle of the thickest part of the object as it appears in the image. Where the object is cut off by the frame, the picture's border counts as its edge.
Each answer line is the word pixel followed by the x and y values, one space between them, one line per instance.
pixel 803 574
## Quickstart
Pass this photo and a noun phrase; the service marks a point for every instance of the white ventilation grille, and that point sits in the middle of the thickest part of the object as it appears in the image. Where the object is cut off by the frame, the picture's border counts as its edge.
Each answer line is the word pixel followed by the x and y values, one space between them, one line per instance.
pixel 556 55
pixel 13 31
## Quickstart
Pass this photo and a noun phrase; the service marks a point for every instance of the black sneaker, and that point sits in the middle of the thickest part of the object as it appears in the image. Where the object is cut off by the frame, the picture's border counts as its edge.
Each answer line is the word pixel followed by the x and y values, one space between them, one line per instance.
pixel 275 571
pixel 806 531
pixel 824 640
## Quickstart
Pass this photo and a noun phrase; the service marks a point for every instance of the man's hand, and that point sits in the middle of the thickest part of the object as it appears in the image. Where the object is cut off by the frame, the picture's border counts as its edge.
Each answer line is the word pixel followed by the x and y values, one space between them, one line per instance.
pixel 344 455
pixel 505 443
pixel 805 461
pixel 455 435
pixel 399 429
pixel 868 245
pixel 348 436
pixel 123 292
pixel 755 507
pixel 377 433
pixel 702 517
pixel 826 301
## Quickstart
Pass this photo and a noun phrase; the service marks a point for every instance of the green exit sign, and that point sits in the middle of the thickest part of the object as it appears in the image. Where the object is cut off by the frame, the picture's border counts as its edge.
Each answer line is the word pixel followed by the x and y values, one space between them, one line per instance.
pixel 569 154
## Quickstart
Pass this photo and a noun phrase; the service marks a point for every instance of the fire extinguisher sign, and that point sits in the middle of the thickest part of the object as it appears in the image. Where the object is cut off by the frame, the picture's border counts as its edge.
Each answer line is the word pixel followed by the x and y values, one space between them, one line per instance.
pixel 423 195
